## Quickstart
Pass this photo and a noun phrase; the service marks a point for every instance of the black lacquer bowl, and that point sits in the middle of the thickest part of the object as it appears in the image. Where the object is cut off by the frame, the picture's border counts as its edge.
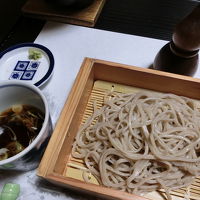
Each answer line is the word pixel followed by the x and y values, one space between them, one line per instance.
pixel 70 3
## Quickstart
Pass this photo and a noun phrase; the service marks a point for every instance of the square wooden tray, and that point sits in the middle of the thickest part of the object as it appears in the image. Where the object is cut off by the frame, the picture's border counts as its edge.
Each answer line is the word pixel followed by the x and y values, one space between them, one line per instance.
pixel 85 17
pixel 94 79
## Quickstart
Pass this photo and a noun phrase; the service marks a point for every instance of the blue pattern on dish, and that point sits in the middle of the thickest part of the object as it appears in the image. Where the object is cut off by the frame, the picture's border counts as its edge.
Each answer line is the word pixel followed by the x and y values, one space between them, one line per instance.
pixel 24 70
pixel 33 65
pixel 28 75
pixel 21 65
pixel 16 75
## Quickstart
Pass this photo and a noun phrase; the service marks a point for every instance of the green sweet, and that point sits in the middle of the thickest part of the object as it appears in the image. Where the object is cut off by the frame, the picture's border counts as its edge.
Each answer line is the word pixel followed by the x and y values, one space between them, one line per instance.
pixel 10 191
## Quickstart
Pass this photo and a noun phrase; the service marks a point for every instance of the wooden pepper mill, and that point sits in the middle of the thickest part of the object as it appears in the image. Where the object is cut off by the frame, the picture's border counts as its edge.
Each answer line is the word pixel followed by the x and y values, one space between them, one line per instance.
pixel 180 56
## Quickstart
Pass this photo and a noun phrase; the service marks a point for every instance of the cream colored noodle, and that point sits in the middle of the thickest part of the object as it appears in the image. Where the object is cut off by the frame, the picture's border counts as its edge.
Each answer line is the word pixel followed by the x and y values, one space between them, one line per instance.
pixel 142 142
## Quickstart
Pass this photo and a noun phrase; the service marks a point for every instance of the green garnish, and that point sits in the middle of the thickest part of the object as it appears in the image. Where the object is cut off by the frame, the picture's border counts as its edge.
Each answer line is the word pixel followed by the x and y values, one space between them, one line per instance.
pixel 34 54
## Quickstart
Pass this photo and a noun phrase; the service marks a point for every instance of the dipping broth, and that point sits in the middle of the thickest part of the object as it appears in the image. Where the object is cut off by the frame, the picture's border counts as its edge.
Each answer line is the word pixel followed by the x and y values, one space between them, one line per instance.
pixel 19 126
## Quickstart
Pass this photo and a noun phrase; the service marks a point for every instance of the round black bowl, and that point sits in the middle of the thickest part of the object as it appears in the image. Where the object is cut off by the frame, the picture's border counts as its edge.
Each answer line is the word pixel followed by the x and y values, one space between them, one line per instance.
pixel 71 3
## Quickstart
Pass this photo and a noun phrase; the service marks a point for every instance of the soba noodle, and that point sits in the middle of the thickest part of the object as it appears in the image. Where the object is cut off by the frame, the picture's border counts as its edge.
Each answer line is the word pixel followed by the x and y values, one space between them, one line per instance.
pixel 142 142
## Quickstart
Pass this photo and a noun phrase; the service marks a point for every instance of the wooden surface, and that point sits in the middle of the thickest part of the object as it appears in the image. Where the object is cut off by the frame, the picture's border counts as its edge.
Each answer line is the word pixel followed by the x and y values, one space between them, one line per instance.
pixel 57 155
pixel 155 19
pixel 43 10
pixel 149 18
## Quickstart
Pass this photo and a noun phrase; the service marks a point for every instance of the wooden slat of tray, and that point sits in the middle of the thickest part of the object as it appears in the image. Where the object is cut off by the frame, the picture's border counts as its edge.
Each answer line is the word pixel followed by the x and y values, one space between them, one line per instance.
pixel 75 167
pixel 42 10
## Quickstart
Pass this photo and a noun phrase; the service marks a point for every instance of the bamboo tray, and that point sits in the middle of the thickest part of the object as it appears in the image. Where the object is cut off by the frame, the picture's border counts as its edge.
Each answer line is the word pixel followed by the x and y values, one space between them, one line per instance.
pixel 95 78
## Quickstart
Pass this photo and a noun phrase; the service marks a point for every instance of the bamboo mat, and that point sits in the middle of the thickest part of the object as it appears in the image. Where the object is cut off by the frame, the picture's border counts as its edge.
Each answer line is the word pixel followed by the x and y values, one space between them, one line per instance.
pixel 76 169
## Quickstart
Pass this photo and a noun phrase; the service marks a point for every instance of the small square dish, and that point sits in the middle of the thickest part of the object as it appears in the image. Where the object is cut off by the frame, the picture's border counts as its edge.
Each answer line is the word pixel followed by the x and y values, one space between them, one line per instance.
pixel 94 80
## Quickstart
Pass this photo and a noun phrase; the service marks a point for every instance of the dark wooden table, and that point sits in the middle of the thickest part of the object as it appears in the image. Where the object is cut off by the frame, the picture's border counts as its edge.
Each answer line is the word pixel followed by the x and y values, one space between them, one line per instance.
pixel 148 18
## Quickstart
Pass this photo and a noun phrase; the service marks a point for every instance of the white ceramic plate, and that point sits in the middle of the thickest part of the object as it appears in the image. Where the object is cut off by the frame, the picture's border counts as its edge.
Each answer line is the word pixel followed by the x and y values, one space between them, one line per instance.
pixel 15 64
